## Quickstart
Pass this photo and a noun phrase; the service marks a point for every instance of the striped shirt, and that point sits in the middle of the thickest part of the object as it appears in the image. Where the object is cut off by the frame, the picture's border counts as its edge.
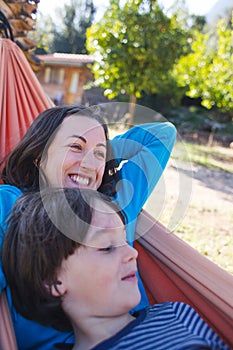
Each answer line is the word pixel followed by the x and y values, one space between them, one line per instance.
pixel 167 326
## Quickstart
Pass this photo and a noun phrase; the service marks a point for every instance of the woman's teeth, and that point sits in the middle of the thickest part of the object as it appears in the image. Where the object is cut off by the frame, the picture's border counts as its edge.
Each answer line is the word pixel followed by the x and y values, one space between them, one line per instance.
pixel 80 180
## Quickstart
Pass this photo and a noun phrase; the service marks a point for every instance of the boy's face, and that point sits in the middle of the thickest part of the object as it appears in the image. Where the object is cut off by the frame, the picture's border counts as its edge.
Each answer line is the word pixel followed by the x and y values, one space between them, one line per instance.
pixel 99 279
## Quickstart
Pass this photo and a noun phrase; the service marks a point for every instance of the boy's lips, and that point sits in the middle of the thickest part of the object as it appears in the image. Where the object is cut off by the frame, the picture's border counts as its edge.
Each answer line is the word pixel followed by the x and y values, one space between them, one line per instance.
pixel 131 277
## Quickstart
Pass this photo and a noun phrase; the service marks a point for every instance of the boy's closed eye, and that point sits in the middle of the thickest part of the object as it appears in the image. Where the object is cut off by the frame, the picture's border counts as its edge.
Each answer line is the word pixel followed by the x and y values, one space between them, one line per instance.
pixel 107 249
pixel 111 247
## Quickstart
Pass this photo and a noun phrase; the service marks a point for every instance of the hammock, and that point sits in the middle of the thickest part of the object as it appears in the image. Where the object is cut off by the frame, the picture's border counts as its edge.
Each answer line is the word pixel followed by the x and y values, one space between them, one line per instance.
pixel 170 269
pixel 21 95
pixel 21 100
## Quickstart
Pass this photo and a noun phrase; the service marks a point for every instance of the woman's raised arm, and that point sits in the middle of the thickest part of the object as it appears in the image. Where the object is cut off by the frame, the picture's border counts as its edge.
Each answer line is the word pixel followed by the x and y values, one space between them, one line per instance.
pixel 144 151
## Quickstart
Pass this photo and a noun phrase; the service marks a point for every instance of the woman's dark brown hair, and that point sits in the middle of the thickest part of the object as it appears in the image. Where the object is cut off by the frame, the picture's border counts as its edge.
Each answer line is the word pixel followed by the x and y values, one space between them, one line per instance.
pixel 44 229
pixel 21 165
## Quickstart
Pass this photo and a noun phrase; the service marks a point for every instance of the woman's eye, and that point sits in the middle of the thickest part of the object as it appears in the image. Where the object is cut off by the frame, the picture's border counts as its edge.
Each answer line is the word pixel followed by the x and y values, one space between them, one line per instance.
pixel 76 147
pixel 107 249
pixel 100 154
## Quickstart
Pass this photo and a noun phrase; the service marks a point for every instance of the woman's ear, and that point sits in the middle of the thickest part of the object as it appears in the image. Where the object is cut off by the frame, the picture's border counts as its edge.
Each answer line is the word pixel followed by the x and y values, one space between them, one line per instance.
pixel 56 289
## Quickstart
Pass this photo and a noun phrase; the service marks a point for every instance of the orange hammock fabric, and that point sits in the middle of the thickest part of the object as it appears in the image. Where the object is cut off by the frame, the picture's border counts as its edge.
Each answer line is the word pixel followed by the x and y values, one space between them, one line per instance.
pixel 21 96
pixel 171 270
pixel 7 334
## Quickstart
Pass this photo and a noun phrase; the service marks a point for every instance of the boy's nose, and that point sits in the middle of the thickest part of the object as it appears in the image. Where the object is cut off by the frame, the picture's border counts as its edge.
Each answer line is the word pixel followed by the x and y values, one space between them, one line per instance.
pixel 130 253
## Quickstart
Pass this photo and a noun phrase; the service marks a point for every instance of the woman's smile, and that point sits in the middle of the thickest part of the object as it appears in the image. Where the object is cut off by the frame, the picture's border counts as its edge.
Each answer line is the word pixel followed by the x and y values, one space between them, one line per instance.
pixel 80 180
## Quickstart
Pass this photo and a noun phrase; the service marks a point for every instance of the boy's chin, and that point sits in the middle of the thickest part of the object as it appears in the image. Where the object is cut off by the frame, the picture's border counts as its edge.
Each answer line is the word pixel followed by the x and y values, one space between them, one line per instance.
pixel 134 302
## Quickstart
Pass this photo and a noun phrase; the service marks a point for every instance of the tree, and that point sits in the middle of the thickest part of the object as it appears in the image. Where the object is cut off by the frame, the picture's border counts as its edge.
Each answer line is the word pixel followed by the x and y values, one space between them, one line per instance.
pixel 198 22
pixel 43 34
pixel 68 34
pixel 135 47
pixel 207 71
pixel 76 17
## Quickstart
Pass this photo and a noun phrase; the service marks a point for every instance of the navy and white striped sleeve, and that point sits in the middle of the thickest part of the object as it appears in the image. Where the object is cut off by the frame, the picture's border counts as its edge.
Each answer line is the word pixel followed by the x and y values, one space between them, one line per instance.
pixel 197 326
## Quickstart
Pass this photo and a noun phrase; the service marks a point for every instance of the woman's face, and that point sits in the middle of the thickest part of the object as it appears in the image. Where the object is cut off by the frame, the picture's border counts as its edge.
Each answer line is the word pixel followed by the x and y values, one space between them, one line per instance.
pixel 76 157
pixel 100 278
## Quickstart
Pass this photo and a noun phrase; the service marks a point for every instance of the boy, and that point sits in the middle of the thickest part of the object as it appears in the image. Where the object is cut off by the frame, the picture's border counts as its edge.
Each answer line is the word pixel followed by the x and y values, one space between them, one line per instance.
pixel 68 265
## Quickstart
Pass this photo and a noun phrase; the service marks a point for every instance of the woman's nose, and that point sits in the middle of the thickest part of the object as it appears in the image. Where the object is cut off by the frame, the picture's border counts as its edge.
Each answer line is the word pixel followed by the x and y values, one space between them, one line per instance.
pixel 88 160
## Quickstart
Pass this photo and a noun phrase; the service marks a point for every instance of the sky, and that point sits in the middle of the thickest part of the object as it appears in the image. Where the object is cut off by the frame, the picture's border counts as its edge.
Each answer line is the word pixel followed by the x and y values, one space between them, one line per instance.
pixel 197 7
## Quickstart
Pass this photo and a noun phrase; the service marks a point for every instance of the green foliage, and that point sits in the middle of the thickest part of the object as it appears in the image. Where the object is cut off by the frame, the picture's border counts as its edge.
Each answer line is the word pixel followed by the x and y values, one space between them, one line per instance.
pixel 43 35
pixel 76 17
pixel 198 22
pixel 68 34
pixel 207 71
pixel 135 48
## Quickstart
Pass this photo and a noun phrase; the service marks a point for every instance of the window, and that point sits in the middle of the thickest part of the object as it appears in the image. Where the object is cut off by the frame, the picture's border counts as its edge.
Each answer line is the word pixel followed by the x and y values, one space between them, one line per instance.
pixel 54 75
pixel 47 75
pixel 74 83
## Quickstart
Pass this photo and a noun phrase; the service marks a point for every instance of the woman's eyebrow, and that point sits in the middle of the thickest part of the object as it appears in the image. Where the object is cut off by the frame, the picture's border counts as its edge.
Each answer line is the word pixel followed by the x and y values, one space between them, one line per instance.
pixel 78 137
pixel 101 144
pixel 85 141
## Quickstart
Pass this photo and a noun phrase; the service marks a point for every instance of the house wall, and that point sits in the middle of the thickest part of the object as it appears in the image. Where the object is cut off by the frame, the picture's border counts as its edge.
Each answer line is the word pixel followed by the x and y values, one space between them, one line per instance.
pixel 64 84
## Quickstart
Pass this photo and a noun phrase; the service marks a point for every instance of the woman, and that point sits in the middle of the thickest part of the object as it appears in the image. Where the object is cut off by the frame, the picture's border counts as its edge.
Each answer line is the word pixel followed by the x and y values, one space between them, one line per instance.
pixel 69 146
pixel 57 280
